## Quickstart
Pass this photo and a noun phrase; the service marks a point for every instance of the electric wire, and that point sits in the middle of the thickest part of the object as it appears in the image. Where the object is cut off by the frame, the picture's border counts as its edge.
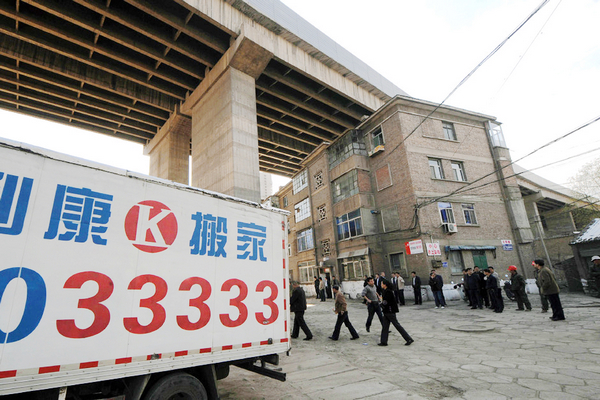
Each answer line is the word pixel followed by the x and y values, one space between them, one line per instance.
pixel 460 190
pixel 496 49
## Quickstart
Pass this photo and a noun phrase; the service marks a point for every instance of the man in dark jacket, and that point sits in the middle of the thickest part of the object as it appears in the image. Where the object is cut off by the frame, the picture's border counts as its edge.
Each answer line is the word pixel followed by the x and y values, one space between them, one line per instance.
pixel 316 282
pixel 416 285
pixel 390 308
pixel 543 298
pixel 482 290
pixel 549 287
pixel 517 286
pixel 472 286
pixel 298 306
pixel 492 287
pixel 437 284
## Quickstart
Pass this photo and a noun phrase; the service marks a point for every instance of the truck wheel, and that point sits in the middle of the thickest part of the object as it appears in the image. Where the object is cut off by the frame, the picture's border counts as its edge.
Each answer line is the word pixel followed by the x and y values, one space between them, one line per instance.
pixel 177 386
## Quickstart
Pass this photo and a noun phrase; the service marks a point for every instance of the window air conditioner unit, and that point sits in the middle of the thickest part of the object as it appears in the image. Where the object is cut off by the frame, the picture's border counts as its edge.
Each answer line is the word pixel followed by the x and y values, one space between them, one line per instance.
pixel 376 150
pixel 450 228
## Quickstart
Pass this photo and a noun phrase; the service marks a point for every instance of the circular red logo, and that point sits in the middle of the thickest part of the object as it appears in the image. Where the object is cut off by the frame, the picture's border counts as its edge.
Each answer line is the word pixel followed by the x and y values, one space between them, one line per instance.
pixel 151 226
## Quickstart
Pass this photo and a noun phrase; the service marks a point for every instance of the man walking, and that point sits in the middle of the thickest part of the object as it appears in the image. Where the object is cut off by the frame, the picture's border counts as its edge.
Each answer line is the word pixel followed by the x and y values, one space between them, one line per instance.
pixel 517 286
pixel 340 309
pixel 437 284
pixel 298 306
pixel 549 287
pixel 416 285
pixel 371 297
pixel 390 308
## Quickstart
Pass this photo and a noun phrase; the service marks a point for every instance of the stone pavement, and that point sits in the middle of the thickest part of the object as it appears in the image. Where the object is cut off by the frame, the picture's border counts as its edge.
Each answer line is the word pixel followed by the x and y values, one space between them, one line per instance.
pixel 513 355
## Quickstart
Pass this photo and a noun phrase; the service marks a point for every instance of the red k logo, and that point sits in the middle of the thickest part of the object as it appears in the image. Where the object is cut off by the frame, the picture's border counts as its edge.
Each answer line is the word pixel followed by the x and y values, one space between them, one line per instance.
pixel 151 226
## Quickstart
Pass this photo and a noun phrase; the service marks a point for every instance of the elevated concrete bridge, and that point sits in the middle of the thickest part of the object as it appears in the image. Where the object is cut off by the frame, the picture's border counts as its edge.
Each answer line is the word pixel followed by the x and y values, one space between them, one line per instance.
pixel 234 83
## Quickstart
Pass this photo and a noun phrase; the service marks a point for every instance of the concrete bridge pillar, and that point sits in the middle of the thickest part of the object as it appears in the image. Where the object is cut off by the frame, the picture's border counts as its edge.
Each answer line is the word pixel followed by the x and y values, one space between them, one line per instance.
pixel 225 137
pixel 169 150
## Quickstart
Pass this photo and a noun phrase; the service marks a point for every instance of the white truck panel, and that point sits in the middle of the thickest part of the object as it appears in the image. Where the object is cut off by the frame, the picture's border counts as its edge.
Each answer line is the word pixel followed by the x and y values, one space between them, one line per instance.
pixel 109 274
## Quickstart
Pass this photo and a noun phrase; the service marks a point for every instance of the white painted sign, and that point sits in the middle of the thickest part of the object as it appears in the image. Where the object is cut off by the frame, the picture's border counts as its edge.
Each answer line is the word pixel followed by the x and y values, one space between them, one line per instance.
pixel 433 249
pixel 414 247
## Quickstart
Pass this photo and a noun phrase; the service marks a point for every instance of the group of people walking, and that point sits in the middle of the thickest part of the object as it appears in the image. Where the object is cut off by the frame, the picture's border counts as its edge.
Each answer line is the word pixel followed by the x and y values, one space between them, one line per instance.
pixel 382 298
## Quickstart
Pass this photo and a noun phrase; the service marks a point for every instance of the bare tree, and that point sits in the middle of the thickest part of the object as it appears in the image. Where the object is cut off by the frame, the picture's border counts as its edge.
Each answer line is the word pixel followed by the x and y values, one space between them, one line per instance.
pixel 586 182
pixel 587 179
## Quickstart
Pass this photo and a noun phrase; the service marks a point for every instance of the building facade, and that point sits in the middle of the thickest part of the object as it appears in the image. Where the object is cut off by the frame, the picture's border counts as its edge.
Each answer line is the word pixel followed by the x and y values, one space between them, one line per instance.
pixel 413 188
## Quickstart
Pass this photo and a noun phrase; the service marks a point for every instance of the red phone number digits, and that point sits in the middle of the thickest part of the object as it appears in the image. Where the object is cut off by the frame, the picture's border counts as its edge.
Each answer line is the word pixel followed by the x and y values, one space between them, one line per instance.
pixel 68 327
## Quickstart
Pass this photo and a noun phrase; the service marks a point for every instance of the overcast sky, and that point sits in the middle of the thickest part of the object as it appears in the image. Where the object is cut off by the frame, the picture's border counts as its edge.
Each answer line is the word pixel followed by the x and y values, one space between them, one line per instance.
pixel 542 84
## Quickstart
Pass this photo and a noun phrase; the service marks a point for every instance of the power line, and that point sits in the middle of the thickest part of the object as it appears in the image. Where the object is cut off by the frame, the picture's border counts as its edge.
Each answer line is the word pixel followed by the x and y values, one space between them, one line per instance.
pixel 498 47
pixel 529 170
pixel 462 189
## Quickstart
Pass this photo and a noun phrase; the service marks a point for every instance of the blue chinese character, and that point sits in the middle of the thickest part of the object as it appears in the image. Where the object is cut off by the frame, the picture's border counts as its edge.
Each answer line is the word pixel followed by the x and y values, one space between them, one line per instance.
pixel 8 184
pixel 256 235
pixel 210 235
pixel 81 211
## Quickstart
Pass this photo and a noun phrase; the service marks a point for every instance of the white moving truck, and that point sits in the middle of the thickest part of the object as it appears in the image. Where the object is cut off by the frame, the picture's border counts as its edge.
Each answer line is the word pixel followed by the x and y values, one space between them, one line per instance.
pixel 122 286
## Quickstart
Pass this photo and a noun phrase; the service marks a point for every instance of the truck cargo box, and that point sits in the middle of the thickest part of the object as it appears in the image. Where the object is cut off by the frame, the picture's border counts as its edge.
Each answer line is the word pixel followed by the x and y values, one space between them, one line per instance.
pixel 106 274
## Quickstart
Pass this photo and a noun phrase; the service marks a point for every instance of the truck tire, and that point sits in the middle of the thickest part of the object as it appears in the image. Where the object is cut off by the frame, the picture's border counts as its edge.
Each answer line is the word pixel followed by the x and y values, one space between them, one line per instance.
pixel 177 386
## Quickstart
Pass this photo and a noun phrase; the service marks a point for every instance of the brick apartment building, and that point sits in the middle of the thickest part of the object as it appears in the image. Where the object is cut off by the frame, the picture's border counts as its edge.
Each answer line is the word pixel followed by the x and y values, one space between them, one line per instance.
pixel 401 193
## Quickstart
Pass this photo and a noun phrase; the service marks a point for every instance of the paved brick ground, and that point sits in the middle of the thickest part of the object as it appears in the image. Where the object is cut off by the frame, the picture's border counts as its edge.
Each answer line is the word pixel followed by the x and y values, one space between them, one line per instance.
pixel 524 356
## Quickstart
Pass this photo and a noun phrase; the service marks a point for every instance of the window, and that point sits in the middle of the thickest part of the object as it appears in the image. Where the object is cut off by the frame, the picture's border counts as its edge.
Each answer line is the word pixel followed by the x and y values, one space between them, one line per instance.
pixel 435 166
pixel 446 213
pixel 305 240
pixel 349 225
pixel 469 213
pixel 319 180
pixel 349 144
pixel 345 186
pixel 459 171
pixel 356 267
pixel 449 132
pixel 496 134
pixel 455 260
pixel 326 246
pixel 300 181
pixel 308 271
pixel 322 213
pixel 302 210
pixel 377 138
pixel 285 202
pixel 397 262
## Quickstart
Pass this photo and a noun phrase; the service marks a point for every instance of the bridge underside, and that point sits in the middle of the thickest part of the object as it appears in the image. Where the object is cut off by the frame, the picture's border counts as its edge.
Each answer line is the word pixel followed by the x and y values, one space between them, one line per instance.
pixel 124 67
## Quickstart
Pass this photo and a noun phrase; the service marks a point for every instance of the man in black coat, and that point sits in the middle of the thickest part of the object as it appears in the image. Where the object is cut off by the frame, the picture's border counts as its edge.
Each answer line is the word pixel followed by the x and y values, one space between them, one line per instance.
pixel 390 308
pixel 317 286
pixel 492 288
pixel 416 284
pixel 298 306
pixel 472 284
pixel 482 290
